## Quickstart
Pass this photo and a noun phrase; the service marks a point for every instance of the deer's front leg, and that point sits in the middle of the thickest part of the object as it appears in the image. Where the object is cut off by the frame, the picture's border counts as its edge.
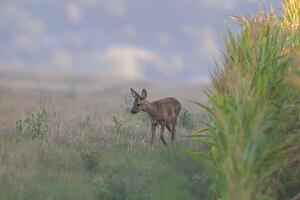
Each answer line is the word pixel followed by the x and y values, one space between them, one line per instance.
pixel 153 129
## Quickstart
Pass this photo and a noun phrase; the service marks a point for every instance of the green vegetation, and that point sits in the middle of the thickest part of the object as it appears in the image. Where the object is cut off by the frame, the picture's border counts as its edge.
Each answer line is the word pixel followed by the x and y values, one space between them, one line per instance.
pixel 53 155
pixel 253 110
pixel 34 126
pixel 249 149
pixel 185 120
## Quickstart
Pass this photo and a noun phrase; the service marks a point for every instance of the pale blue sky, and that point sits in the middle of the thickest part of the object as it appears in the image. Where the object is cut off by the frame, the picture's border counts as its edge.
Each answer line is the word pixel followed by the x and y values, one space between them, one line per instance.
pixel 127 39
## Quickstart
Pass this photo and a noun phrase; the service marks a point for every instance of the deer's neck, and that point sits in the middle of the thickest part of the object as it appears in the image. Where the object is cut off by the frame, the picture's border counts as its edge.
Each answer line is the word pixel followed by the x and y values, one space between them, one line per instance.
pixel 150 109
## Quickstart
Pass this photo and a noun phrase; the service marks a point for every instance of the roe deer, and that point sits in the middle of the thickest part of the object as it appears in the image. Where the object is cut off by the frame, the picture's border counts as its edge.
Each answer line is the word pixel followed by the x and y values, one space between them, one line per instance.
pixel 162 112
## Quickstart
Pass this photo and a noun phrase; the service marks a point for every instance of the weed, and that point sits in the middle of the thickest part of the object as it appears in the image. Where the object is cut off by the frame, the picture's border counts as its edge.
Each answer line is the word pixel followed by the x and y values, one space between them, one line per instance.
pixel 91 159
pixel 143 120
pixel 34 125
pixel 113 188
pixel 117 124
pixel 185 120
pixel 87 123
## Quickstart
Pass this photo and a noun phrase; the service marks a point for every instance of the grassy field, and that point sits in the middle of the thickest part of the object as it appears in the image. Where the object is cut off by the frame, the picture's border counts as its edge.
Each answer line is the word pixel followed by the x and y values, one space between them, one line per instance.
pixel 79 144
pixel 57 146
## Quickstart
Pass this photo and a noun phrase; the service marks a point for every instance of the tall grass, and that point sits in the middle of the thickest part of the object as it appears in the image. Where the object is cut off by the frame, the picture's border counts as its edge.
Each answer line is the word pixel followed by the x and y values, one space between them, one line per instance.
pixel 65 151
pixel 253 109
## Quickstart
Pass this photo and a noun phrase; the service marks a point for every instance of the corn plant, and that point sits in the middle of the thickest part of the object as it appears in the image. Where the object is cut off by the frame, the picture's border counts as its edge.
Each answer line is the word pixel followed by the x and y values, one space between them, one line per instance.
pixel 291 17
pixel 251 124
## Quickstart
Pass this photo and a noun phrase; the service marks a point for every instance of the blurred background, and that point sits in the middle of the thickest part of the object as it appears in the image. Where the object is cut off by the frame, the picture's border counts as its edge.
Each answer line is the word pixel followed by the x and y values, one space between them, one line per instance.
pixel 97 45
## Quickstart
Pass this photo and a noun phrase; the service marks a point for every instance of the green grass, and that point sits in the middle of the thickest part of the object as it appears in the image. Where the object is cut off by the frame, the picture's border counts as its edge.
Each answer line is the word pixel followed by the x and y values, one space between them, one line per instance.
pixel 52 158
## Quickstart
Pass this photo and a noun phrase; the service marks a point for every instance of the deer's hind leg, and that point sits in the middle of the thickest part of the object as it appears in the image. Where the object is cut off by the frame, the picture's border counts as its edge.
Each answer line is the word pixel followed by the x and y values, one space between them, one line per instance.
pixel 169 126
pixel 162 133
pixel 173 130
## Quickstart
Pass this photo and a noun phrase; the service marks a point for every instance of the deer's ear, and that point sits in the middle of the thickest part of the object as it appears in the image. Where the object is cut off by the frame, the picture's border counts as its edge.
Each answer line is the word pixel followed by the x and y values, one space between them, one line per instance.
pixel 144 94
pixel 134 93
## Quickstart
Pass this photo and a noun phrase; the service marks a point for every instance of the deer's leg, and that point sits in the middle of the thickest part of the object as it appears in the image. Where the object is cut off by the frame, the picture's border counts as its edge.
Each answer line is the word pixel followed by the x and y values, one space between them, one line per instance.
pixel 153 129
pixel 169 126
pixel 162 130
pixel 173 132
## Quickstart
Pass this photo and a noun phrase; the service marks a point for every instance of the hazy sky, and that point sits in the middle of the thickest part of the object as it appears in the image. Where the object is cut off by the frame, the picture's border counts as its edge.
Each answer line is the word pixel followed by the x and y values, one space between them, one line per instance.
pixel 128 39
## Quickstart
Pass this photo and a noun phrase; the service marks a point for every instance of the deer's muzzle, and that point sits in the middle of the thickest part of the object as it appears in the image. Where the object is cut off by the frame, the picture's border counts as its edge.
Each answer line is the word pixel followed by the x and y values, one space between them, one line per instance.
pixel 133 111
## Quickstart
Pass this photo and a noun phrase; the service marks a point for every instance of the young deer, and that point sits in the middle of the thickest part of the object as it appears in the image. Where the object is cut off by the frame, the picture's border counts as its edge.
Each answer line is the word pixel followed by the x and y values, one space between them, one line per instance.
pixel 162 112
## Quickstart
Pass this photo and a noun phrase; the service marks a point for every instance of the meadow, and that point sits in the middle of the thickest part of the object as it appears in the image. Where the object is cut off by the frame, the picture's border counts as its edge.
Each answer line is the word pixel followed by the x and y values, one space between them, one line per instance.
pixel 54 145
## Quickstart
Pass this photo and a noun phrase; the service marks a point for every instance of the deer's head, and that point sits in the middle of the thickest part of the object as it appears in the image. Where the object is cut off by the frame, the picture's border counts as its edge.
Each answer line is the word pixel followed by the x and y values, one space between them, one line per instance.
pixel 139 101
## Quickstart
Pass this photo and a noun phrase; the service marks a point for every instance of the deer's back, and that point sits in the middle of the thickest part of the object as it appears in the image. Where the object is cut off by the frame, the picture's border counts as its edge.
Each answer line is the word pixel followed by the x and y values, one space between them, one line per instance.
pixel 167 108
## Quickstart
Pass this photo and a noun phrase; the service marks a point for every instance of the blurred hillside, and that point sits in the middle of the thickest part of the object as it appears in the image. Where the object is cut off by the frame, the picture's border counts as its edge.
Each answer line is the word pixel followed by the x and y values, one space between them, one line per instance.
pixel 28 88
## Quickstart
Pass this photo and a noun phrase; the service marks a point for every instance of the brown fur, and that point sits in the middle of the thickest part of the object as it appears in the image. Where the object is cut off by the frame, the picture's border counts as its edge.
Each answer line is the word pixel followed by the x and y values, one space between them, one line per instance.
pixel 163 112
